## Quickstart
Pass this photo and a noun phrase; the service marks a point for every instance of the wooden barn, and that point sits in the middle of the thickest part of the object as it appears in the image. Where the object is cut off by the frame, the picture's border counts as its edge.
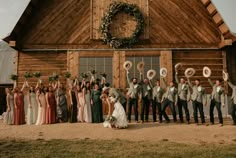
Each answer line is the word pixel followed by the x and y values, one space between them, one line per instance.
pixel 65 35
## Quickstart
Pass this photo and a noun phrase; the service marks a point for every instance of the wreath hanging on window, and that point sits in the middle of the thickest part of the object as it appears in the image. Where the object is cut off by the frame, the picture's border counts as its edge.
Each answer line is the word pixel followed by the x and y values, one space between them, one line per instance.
pixel 114 9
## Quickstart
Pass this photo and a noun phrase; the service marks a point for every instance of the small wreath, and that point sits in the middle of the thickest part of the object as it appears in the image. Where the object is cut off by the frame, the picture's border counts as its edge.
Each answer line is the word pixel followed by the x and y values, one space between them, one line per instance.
pixel 114 9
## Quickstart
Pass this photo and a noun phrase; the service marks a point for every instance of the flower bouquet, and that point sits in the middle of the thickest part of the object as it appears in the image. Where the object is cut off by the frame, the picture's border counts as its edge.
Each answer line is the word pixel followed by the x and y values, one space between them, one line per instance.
pixel 110 119
pixel 27 75
pixel 84 75
pixel 67 76
pixel 14 78
pixel 37 74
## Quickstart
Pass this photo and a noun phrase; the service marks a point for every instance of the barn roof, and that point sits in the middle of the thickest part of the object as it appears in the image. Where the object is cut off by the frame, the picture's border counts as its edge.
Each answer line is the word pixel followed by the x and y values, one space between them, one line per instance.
pixel 226 36
pixel 6 62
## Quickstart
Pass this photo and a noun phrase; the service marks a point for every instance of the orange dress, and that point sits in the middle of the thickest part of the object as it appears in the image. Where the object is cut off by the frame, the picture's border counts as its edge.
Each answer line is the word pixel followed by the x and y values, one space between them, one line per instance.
pixel 19 113
pixel 51 110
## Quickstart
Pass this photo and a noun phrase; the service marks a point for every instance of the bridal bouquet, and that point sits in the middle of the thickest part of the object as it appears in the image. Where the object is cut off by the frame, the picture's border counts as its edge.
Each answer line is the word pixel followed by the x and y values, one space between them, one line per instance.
pixel 110 119
pixel 84 75
pixel 14 77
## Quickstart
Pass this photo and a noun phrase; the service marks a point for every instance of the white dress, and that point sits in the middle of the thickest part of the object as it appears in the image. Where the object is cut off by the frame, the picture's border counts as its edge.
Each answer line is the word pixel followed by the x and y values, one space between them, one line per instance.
pixel 32 112
pixel 120 117
pixel 87 108
pixel 9 116
pixel 41 110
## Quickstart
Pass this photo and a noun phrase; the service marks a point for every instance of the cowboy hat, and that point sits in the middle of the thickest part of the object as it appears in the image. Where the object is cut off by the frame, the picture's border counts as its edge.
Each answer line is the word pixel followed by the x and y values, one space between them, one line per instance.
pixel 189 72
pixel 140 66
pixel 151 74
pixel 206 72
pixel 127 65
pixel 178 65
pixel 163 72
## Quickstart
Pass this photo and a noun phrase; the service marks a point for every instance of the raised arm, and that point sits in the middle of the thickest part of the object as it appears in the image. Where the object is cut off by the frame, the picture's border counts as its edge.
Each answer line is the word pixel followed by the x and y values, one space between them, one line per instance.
pixel 164 81
pixel 127 77
pixel 190 83
pixel 211 83
pixel 23 87
pixel 176 78
pixel 231 85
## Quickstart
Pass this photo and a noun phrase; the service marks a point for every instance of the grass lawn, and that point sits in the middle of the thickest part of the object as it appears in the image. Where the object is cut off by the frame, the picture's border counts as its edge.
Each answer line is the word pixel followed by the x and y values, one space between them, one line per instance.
pixel 113 148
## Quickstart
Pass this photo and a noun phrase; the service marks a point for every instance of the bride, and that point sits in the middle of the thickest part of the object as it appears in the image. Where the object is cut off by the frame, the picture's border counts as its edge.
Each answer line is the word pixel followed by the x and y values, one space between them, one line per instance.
pixel 118 117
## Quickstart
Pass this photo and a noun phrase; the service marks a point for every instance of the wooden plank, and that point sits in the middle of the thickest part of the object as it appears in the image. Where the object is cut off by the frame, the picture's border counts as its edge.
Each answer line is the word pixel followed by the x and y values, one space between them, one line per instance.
pixel 116 69
pixel 166 61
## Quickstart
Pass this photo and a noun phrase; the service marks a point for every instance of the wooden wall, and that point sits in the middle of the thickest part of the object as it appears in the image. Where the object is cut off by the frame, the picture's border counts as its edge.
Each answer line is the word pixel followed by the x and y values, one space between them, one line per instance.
pixel 231 62
pixel 215 60
pixel 45 62
pixel 75 24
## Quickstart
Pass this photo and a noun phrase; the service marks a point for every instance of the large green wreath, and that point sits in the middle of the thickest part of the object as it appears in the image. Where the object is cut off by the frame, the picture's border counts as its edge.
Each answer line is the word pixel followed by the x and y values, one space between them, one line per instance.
pixel 130 9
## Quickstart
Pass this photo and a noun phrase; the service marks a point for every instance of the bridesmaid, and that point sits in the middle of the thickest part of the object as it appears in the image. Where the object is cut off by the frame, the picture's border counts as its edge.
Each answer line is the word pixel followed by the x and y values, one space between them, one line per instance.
pixel 9 117
pixel 40 96
pixel 51 106
pixel 81 102
pixel 73 104
pixel 96 102
pixel 32 112
pixel 87 107
pixel 19 113
pixel 61 104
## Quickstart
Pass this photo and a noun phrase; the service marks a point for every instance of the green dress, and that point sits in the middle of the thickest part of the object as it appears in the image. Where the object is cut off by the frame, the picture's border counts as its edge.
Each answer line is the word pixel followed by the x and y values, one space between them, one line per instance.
pixel 97 115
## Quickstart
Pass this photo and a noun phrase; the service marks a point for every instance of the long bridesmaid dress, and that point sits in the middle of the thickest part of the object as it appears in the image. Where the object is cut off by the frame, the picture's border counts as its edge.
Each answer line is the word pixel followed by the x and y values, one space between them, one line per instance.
pixel 87 107
pixel 19 115
pixel 32 112
pixel 41 110
pixel 51 110
pixel 9 116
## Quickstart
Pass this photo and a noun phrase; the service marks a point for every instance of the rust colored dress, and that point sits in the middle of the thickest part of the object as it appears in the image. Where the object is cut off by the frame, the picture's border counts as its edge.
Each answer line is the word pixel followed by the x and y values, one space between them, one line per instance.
pixel 51 111
pixel 19 113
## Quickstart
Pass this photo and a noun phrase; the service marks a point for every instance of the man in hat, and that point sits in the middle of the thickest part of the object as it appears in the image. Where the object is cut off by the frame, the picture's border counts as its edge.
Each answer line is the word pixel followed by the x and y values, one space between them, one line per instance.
pixel 132 94
pixel 170 98
pixel 217 100
pixel 233 97
pixel 146 91
pixel 198 99
pixel 157 93
pixel 183 97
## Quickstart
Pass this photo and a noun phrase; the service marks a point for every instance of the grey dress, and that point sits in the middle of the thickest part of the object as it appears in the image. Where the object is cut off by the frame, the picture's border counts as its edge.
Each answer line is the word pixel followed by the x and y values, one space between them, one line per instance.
pixel 61 106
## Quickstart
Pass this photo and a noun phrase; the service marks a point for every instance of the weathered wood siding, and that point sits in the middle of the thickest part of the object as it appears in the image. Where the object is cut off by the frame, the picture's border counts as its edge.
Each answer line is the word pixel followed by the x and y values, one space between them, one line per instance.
pixel 45 62
pixel 215 60
pixel 75 24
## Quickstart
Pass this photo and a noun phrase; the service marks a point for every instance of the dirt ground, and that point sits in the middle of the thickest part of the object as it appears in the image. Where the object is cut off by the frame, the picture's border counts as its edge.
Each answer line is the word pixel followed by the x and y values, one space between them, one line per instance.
pixel 153 132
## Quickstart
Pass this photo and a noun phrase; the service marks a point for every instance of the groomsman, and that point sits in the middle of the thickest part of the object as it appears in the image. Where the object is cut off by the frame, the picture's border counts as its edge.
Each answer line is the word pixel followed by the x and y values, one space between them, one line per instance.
pixel 217 99
pixel 233 102
pixel 117 95
pixel 132 94
pixel 170 98
pixel 199 99
pixel 157 93
pixel 183 98
pixel 146 92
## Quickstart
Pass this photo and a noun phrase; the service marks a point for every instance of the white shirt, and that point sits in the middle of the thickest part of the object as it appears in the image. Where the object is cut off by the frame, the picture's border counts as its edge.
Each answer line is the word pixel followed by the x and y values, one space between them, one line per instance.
pixel 218 89
pixel 199 88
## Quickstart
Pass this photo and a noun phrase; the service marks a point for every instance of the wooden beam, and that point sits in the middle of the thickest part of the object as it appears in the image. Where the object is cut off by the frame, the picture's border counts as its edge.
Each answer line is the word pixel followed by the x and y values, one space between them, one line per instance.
pixel 227 42
pixel 166 61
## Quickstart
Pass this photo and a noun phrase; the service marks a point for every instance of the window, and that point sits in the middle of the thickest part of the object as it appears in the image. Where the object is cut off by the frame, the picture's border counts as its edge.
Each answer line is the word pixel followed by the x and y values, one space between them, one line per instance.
pixel 99 64
pixel 150 62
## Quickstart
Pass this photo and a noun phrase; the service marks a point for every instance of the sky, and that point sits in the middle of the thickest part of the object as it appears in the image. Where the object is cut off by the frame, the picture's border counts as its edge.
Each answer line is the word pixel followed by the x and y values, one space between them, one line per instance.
pixel 11 11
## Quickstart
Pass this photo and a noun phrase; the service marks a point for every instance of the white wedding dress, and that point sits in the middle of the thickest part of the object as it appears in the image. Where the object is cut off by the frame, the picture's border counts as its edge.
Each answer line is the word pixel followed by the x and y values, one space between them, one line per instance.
pixel 120 117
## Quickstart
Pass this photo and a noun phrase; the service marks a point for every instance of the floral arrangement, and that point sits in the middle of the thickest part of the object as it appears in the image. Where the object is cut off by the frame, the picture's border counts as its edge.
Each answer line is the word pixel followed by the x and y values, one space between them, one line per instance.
pixel 114 9
pixel 37 74
pixel 111 119
pixel 103 75
pixel 84 75
pixel 67 74
pixel 28 75
pixel 55 77
pixel 93 72
pixel 14 77
pixel 50 78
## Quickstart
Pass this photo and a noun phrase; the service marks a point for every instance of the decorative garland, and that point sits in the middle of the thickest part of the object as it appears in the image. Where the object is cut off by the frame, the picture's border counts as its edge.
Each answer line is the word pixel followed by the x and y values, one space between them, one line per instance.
pixel 130 9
